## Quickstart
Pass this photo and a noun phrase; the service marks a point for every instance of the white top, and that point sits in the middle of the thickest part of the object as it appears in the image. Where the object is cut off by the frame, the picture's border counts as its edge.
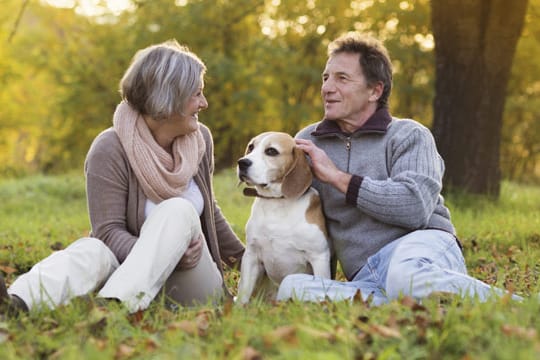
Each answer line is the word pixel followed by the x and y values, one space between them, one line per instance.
pixel 192 194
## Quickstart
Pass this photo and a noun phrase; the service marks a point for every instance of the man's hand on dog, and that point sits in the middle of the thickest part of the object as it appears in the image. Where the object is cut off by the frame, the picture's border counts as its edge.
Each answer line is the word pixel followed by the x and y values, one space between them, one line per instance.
pixel 323 168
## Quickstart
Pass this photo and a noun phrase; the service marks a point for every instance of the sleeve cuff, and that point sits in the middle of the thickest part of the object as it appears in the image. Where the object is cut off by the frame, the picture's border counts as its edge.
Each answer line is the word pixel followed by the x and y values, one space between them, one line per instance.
pixel 352 190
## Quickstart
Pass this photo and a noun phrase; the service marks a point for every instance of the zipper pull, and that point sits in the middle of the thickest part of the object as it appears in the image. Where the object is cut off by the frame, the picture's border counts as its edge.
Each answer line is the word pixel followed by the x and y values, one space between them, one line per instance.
pixel 348 144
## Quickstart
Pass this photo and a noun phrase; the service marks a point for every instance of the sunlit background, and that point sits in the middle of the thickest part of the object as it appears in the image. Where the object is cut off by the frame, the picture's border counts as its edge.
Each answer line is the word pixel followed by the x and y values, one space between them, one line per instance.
pixel 61 60
pixel 93 7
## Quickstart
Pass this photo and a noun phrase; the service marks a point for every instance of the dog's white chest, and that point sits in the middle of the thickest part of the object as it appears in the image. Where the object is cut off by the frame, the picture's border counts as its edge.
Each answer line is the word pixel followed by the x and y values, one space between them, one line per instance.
pixel 282 239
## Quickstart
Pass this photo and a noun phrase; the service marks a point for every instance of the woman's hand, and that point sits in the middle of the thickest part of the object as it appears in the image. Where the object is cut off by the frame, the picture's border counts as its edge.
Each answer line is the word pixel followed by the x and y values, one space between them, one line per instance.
pixel 193 254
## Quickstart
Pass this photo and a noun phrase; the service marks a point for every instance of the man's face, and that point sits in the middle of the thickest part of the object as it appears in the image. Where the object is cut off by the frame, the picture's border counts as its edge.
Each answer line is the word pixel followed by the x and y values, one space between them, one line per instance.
pixel 345 92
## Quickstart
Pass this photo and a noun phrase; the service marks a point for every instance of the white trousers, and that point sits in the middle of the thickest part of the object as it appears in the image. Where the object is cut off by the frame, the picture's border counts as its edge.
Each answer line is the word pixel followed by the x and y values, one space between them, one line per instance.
pixel 88 264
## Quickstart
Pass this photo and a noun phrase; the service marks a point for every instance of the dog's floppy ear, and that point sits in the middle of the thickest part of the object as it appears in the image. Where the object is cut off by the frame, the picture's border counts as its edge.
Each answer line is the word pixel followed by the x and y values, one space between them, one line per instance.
pixel 298 178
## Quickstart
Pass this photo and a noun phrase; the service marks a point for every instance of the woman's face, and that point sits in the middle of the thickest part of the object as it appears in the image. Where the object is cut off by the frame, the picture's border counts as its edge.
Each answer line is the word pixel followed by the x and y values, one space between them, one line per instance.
pixel 188 121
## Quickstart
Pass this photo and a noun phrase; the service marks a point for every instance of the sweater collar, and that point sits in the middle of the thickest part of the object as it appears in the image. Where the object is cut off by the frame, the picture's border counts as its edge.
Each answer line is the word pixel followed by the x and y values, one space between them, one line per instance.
pixel 378 122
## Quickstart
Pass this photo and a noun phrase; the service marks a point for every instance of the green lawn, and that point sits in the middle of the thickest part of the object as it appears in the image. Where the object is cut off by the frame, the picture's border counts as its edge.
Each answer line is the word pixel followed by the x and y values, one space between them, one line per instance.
pixel 501 244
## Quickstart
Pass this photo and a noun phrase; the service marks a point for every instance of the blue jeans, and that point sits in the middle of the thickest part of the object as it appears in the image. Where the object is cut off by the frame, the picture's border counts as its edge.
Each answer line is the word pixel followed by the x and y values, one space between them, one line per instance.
pixel 417 264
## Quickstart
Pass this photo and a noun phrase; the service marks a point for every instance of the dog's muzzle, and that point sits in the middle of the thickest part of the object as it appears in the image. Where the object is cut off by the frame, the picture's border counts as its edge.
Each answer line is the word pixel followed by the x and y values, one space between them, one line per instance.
pixel 243 167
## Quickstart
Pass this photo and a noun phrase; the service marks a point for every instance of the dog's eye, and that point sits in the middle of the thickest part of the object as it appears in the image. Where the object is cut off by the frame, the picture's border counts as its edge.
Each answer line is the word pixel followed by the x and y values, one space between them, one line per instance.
pixel 271 151
pixel 249 148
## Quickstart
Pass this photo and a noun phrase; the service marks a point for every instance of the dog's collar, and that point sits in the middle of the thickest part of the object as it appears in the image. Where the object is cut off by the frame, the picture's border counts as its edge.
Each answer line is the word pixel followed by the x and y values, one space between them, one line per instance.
pixel 253 192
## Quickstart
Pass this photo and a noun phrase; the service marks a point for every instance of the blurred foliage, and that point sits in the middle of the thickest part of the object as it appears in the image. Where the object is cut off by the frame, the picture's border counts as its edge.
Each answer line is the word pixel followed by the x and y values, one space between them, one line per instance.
pixel 520 158
pixel 59 71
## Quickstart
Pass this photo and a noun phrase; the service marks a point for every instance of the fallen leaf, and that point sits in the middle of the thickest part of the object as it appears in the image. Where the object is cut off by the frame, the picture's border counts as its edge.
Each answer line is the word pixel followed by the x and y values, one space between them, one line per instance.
pixel 250 353
pixel 203 322
pixel 412 304
pixel 421 322
pixel 124 351
pixel 136 318
pixel 285 333
pixel 187 326
pixel 318 334
pixel 385 331
pixel 518 331
pixel 151 344
pixel 407 301
pixel 7 269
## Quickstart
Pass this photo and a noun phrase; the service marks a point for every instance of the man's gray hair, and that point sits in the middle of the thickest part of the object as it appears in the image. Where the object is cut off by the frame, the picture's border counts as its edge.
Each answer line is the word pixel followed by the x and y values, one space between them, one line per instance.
pixel 374 60
pixel 161 79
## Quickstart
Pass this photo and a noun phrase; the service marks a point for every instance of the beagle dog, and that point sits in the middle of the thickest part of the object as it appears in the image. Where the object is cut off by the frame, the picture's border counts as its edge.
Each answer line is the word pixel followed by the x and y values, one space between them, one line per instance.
pixel 286 232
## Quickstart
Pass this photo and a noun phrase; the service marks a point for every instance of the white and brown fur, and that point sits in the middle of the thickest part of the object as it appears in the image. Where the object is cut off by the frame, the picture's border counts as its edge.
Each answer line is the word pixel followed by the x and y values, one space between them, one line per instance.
pixel 286 231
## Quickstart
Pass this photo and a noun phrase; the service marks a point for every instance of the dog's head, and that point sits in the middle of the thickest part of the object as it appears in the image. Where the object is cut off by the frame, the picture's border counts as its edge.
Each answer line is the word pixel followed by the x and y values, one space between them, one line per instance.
pixel 275 166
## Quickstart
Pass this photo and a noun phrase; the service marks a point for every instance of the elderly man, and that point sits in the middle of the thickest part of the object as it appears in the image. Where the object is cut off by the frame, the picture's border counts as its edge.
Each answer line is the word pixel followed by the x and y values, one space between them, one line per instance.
pixel 380 181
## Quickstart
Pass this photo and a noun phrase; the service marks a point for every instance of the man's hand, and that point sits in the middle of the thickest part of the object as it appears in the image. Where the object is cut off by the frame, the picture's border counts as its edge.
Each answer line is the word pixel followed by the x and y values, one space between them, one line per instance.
pixel 193 253
pixel 323 168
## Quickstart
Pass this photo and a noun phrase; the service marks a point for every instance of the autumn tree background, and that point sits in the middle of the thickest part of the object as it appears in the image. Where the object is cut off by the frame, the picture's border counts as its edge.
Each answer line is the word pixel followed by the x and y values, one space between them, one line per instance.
pixel 475 47
pixel 59 73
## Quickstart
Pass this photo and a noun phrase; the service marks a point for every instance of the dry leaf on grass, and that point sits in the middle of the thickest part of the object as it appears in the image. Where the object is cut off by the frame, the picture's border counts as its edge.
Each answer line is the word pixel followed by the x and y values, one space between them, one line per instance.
pixel 250 353
pixel 203 320
pixel 385 331
pixel 319 334
pixel 187 326
pixel 412 304
pixel 124 351
pixel 7 269
pixel 150 344
pixel 136 317
pixel 285 333
pixel 518 331
pixel 199 326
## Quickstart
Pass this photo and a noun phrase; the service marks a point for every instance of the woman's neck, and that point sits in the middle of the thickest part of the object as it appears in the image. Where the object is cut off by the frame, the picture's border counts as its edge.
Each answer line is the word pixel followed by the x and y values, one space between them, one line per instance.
pixel 160 133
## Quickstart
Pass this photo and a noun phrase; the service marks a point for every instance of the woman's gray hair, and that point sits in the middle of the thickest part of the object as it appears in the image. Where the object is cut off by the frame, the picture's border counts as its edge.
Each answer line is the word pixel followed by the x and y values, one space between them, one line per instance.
pixel 161 79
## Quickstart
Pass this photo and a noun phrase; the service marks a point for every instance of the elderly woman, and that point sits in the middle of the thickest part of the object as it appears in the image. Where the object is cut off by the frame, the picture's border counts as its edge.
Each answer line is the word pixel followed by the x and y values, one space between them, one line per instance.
pixel 155 221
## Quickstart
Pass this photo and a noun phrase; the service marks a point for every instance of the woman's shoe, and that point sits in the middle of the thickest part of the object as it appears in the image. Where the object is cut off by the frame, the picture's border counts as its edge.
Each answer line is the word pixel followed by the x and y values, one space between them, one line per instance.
pixel 10 304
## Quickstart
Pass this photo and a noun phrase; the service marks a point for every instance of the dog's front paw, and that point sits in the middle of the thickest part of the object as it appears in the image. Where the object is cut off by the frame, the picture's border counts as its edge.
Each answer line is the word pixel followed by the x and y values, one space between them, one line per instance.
pixel 241 300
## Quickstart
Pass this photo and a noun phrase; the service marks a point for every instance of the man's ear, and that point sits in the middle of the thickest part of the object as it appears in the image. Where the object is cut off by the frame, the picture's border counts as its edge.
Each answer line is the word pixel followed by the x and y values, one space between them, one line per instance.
pixel 298 178
pixel 376 91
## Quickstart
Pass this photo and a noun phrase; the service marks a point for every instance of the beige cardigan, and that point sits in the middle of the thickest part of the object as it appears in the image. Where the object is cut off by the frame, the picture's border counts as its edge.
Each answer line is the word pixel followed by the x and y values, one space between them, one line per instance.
pixel 116 202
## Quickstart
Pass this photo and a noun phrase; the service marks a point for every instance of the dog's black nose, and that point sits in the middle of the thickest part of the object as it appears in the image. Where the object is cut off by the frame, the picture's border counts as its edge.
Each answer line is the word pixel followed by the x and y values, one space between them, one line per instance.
pixel 244 164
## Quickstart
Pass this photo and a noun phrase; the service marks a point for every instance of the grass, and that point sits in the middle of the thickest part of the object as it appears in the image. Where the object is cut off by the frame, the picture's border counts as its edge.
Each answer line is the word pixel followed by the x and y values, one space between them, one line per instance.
pixel 501 244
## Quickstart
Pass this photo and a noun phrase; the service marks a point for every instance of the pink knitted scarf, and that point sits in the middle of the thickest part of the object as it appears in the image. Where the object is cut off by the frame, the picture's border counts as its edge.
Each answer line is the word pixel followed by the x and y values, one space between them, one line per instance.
pixel 160 174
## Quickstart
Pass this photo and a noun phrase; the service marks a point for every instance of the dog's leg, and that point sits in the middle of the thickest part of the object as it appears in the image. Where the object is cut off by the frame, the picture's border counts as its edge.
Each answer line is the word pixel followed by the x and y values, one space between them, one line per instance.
pixel 250 272
pixel 321 265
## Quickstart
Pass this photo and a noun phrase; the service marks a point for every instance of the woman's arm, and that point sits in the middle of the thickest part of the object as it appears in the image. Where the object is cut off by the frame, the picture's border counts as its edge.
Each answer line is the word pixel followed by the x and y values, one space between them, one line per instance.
pixel 107 191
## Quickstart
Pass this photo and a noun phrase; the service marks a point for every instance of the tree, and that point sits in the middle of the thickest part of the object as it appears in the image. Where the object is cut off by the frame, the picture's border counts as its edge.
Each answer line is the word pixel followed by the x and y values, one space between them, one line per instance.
pixel 60 71
pixel 520 148
pixel 475 43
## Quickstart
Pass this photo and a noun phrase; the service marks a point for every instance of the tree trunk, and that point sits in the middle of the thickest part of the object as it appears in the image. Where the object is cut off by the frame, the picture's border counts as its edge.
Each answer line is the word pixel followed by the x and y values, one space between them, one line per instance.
pixel 475 43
